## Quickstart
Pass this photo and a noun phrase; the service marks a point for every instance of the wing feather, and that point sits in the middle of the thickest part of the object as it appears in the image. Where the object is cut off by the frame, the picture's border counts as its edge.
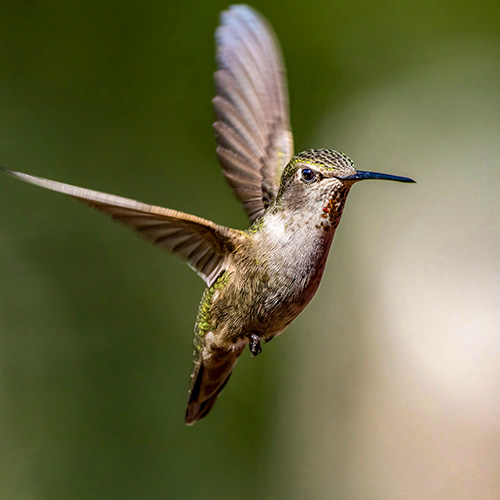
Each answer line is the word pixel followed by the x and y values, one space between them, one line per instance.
pixel 254 140
pixel 205 246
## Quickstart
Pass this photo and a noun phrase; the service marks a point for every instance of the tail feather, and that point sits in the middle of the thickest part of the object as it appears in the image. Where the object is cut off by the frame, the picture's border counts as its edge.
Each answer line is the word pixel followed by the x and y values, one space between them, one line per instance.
pixel 210 375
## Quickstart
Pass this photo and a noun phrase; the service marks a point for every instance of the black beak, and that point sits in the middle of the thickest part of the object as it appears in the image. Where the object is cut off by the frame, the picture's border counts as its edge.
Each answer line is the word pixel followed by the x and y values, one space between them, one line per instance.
pixel 361 175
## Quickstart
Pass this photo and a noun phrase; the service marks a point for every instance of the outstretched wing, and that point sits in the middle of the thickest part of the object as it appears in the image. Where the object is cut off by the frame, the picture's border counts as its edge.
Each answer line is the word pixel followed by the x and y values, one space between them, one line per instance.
pixel 203 244
pixel 254 140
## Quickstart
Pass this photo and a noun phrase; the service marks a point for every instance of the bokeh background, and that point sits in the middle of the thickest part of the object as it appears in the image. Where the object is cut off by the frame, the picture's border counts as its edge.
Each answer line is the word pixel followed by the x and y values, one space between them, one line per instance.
pixel 387 386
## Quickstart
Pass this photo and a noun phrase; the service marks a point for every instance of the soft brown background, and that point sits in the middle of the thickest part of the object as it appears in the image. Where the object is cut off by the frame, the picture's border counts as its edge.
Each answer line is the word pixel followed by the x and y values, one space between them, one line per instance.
pixel 388 386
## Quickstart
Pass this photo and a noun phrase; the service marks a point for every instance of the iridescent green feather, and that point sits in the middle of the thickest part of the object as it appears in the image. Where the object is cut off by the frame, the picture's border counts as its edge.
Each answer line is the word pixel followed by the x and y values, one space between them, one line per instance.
pixel 204 320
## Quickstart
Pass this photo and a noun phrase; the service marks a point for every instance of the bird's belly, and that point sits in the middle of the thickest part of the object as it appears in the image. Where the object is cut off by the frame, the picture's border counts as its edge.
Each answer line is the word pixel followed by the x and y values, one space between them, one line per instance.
pixel 276 319
pixel 272 311
pixel 266 300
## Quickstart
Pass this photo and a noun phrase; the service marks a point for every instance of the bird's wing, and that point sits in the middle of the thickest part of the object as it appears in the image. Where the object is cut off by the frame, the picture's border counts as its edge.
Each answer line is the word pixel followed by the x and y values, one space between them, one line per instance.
pixel 254 140
pixel 201 243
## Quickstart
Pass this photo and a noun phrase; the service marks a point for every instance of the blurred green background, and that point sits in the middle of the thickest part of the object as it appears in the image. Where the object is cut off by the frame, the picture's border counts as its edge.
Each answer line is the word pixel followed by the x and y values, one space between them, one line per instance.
pixel 387 386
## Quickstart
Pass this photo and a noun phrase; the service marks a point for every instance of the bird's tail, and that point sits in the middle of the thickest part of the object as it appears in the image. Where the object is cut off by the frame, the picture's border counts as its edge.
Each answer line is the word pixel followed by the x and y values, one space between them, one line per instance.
pixel 210 375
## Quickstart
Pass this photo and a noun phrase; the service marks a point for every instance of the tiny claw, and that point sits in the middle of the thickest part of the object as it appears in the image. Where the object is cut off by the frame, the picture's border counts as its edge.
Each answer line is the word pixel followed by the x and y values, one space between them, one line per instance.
pixel 254 345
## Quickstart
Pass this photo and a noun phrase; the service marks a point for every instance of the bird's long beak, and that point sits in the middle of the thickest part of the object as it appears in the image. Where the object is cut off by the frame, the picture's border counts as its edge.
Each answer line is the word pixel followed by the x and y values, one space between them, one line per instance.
pixel 361 175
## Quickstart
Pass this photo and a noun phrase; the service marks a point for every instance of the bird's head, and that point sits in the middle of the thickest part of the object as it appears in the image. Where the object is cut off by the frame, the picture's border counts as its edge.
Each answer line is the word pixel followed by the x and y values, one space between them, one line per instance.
pixel 316 183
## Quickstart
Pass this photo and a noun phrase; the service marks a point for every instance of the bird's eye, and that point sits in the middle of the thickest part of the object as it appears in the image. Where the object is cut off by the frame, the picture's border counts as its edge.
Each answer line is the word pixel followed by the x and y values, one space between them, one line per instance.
pixel 307 174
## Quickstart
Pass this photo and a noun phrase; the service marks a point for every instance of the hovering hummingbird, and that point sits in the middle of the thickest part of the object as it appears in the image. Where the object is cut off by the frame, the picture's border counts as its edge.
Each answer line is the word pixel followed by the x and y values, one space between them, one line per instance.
pixel 258 280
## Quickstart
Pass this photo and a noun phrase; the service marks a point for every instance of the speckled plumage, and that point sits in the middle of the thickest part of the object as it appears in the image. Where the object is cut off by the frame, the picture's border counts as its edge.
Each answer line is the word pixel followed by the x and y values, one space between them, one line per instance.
pixel 260 279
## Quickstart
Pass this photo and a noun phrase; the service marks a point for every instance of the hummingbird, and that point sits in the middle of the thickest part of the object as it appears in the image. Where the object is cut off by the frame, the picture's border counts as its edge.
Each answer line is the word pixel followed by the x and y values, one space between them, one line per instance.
pixel 260 279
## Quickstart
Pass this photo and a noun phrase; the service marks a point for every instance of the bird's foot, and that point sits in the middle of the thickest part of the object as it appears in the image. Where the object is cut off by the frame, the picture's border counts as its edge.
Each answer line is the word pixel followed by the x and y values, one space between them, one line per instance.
pixel 254 345
pixel 268 339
